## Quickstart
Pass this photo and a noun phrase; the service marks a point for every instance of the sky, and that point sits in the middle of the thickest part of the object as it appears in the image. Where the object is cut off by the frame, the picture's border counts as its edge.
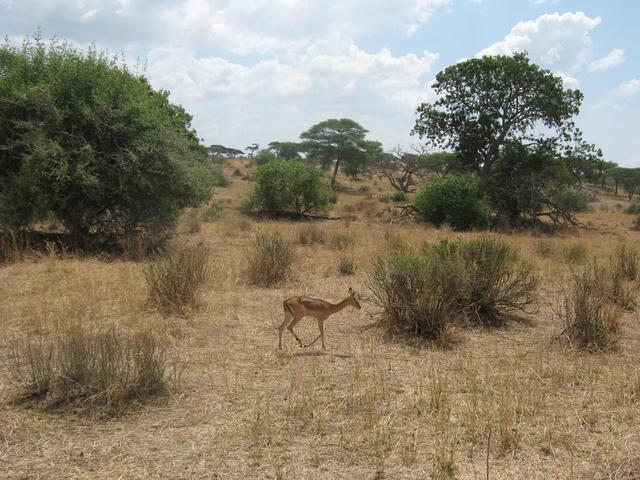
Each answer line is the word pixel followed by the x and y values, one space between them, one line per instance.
pixel 266 70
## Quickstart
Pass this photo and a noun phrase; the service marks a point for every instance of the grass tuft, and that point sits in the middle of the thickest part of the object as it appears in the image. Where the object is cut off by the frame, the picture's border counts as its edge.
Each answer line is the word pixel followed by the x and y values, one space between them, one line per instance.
pixel 270 259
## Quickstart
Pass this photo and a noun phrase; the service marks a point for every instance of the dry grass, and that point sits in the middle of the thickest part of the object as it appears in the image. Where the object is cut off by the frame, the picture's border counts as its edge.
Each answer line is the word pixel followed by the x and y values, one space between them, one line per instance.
pixel 368 407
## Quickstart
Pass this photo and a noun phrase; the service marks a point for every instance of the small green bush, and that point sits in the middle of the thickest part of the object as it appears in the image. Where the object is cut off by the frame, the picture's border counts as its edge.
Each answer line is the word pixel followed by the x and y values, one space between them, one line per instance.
pixel 573 200
pixel 633 209
pixel 311 235
pixel 270 259
pixel 455 200
pixel 212 212
pixel 346 266
pixel 399 197
pixel 175 278
pixel 95 371
pixel 288 186
pixel 589 318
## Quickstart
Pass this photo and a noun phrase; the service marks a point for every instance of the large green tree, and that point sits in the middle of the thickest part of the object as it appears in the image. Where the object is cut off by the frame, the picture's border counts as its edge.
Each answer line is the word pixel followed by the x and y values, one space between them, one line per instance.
pixel 486 103
pixel 337 142
pixel 84 138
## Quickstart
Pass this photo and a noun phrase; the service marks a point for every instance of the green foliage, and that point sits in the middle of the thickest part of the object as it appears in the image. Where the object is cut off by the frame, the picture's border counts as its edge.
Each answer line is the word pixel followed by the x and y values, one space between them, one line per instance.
pixel 573 200
pixel 264 156
pixel 270 259
pixel 399 197
pixel 455 200
pixel 286 150
pixel 95 371
pixel 175 278
pixel 212 212
pixel 340 142
pixel 82 137
pixel 477 113
pixel 289 186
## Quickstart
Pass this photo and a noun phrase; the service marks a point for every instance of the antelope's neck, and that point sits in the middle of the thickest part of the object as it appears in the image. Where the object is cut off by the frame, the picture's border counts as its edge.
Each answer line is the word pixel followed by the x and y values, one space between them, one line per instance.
pixel 340 305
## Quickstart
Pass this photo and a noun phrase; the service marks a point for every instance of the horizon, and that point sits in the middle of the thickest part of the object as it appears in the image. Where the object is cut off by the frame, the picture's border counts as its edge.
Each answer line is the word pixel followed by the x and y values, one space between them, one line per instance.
pixel 248 76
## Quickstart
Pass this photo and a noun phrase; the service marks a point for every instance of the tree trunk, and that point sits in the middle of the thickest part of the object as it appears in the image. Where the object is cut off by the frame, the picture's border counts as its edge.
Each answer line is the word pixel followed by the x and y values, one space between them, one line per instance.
pixel 335 172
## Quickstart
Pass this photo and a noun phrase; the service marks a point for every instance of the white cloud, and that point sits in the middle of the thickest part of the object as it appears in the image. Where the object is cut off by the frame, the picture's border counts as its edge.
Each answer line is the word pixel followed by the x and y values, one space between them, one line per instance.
pixel 278 99
pixel 613 59
pixel 627 89
pixel 560 42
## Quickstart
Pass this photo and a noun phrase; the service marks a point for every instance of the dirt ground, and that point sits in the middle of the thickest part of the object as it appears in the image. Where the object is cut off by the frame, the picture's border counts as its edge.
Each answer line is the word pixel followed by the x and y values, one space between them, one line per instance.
pixel 505 403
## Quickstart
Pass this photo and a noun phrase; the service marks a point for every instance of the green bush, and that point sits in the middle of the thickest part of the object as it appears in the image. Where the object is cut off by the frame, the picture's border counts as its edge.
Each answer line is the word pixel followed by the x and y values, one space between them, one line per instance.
pixel 573 200
pixel 84 138
pixel 264 156
pixel 95 371
pixel 633 209
pixel 455 200
pixel 212 212
pixel 289 186
pixel 269 260
pixel 399 197
pixel 175 278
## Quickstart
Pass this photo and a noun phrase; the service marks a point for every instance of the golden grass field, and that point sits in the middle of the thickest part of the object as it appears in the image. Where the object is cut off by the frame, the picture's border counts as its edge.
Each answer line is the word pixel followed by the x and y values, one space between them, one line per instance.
pixel 505 403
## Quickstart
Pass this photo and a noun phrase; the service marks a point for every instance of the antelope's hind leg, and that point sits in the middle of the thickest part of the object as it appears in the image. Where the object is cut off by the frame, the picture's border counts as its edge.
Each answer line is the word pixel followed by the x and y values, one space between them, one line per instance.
pixel 287 320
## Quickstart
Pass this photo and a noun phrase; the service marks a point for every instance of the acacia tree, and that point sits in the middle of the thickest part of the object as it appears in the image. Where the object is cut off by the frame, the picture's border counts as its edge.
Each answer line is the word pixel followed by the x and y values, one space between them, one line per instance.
pixel 337 142
pixel 83 138
pixel 485 103
pixel 403 170
pixel 286 150
pixel 252 149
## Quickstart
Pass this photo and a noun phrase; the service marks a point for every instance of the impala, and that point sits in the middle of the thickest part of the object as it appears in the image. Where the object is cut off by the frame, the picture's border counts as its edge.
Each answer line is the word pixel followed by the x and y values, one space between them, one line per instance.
pixel 296 308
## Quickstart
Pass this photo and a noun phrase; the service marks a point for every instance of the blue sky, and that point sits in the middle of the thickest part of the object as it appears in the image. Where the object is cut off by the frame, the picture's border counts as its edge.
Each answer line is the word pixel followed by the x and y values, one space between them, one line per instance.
pixel 263 70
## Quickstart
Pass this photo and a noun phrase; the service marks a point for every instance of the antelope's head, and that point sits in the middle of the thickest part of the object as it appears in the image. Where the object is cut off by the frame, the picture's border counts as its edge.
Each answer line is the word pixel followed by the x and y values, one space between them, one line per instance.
pixel 354 300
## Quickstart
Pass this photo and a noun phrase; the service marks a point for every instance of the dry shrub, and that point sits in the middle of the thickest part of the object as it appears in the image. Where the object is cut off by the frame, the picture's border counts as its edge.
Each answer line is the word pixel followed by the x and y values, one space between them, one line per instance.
pixel 12 246
pixel 346 266
pixel 418 294
pixel 627 261
pixel 576 253
pixel 545 248
pixel 477 280
pixel 192 221
pixel 270 259
pixel 97 371
pixel 589 318
pixel 496 280
pixel 176 277
pixel 311 235
pixel 341 241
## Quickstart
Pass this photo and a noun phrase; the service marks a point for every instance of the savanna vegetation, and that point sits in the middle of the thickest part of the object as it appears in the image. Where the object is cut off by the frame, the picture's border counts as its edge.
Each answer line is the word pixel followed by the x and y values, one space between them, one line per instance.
pixel 498 271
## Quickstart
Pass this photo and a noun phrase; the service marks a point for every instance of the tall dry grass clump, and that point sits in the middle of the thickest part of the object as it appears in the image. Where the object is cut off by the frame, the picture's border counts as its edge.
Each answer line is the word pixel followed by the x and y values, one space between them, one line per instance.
pixel 310 234
pixel 270 258
pixel 589 317
pixel 98 371
pixel 476 280
pixel 624 271
pixel 175 278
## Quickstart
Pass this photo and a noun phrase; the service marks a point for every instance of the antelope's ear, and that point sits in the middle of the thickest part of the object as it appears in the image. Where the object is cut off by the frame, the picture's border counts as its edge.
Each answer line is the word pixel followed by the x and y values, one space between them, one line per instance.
pixel 351 292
